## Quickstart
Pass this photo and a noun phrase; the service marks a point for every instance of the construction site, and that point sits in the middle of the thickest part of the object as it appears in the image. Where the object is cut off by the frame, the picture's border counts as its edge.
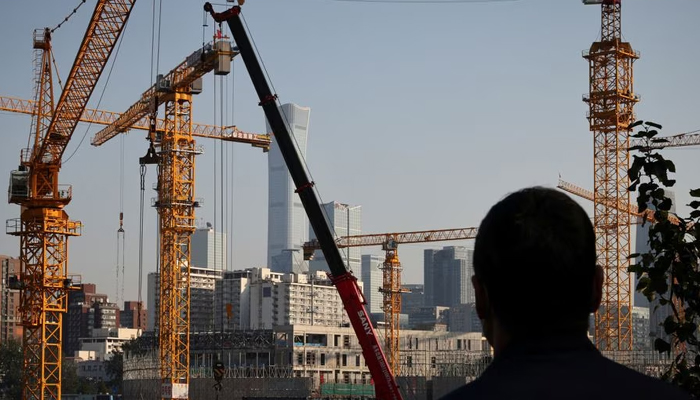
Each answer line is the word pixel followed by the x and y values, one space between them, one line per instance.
pixel 310 319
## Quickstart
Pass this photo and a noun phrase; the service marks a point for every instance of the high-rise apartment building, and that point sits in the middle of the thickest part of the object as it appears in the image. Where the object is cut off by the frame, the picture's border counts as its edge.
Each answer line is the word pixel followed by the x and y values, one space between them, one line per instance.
pixel 232 300
pixel 133 316
pixel 80 319
pixel 345 220
pixel 10 323
pixel 371 277
pixel 202 285
pixel 287 224
pixel 447 276
pixel 208 248
pixel 294 299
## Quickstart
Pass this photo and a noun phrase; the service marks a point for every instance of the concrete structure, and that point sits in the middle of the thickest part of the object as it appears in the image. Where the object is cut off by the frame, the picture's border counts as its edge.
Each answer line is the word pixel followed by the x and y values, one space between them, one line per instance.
pixel 10 327
pixel 104 341
pixel 202 285
pixel 232 300
pixel 371 278
pixel 208 248
pixel 287 224
pixel 133 316
pixel 291 299
pixel 345 220
pixel 447 276
pixel 103 315
pixel 641 340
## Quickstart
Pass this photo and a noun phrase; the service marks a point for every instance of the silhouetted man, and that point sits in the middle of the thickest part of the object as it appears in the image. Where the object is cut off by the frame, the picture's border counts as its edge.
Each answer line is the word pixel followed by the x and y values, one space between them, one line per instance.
pixel 536 283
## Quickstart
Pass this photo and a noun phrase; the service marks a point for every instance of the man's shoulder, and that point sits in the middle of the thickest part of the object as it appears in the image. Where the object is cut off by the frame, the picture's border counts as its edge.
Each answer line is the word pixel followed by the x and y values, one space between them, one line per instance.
pixel 590 377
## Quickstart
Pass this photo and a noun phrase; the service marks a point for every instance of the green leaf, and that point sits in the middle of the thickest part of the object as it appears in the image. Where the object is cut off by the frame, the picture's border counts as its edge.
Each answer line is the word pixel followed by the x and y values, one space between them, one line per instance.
pixel 694 204
pixel 662 346
pixel 695 193
pixel 635 124
pixel 638 147
pixel 670 166
pixel 659 140
pixel 653 124
pixel 695 214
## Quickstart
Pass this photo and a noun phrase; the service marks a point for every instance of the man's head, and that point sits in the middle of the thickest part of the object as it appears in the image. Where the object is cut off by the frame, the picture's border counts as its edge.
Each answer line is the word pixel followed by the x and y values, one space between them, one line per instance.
pixel 535 266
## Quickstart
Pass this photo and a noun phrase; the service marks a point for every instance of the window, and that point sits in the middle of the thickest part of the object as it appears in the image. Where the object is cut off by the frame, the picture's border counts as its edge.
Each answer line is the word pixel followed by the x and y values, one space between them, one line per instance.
pixel 409 361
pixel 346 341
pixel 459 344
pixel 433 362
pixel 357 360
pixel 310 358
pixel 345 360
pixel 323 359
pixel 300 358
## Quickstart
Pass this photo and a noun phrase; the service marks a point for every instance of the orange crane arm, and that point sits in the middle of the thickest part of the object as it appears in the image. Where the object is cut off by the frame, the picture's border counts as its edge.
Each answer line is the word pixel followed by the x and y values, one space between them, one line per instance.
pixel 625 207
pixel 682 140
pixel 105 26
pixel 194 67
pixel 102 117
pixel 397 238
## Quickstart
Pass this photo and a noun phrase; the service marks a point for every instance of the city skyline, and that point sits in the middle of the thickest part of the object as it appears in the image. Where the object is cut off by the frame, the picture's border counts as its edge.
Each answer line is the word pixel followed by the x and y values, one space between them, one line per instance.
pixel 445 129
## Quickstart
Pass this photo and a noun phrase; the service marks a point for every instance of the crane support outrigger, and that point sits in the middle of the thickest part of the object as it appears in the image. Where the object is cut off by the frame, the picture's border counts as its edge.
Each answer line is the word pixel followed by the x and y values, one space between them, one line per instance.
pixel 385 384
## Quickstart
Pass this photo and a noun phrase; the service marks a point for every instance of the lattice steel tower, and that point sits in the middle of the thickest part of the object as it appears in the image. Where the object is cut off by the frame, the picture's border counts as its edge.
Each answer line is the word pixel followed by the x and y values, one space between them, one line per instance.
pixel 611 101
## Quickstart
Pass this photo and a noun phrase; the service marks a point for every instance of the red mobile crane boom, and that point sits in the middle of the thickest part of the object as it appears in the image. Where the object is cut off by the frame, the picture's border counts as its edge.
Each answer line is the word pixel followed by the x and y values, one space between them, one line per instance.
pixel 385 384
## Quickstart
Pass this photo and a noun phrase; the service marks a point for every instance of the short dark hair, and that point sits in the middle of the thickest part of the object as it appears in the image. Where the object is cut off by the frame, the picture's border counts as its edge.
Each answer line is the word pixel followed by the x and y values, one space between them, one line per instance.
pixel 535 255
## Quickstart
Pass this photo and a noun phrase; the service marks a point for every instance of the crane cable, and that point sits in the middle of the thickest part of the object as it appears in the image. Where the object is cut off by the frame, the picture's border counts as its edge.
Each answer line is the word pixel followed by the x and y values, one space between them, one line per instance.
pixel 121 234
pixel 141 222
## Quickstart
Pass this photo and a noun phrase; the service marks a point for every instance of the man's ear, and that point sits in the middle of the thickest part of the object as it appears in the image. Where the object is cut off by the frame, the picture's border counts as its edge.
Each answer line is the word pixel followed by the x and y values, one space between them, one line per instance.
pixel 481 298
pixel 597 288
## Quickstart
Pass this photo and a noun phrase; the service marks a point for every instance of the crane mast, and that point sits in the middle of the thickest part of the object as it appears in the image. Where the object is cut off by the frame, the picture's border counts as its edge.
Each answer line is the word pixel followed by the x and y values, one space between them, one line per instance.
pixel 176 202
pixel 44 227
pixel 385 384
pixel 611 100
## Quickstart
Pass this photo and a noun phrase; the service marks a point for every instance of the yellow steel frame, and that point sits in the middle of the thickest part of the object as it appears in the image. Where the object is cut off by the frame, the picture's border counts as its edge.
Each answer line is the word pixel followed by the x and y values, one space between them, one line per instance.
pixel 611 101
pixel 391 289
pixel 176 203
pixel 44 227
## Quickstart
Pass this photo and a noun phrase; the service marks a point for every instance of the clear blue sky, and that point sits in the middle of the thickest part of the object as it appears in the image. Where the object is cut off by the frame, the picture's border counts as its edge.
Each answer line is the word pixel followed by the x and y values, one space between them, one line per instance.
pixel 424 114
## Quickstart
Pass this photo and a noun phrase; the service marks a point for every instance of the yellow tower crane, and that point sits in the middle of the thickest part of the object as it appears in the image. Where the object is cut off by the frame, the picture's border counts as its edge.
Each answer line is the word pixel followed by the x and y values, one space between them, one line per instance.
pixel 44 226
pixel 391 283
pixel 176 202
pixel 103 117
pixel 611 100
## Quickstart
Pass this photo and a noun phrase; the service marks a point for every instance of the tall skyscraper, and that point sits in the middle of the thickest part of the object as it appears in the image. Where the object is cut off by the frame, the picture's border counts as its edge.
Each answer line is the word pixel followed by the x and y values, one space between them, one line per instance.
pixel 344 220
pixel 287 224
pixel 447 276
pixel 208 248
pixel 371 277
